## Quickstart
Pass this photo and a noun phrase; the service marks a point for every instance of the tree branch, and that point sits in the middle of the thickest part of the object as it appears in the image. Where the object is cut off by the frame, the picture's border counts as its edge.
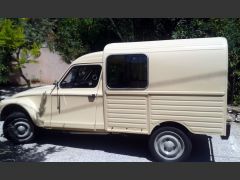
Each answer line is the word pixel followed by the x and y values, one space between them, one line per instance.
pixel 116 28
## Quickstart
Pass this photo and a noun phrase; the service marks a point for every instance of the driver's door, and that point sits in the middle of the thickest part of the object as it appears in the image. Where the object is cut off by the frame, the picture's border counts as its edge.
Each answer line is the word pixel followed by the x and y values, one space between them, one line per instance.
pixel 74 101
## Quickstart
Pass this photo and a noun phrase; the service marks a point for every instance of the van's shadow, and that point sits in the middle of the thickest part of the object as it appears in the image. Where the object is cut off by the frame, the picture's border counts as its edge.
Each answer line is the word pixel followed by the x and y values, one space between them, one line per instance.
pixel 132 145
pixel 202 150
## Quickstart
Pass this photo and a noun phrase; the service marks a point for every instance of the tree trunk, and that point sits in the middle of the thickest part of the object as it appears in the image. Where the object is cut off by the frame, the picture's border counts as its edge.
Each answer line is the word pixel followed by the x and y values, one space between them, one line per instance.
pixel 20 69
pixel 24 77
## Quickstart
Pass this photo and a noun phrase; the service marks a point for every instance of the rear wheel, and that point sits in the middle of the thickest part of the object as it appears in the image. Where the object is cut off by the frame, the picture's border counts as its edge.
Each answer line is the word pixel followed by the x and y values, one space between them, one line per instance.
pixel 18 128
pixel 170 144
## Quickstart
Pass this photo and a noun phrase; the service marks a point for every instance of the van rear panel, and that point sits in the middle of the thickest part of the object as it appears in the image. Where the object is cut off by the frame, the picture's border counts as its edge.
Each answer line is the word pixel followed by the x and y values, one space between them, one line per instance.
pixel 200 114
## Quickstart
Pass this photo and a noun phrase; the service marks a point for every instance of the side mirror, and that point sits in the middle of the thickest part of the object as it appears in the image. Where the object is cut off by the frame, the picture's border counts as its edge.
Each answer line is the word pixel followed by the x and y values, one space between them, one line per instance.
pixel 55 83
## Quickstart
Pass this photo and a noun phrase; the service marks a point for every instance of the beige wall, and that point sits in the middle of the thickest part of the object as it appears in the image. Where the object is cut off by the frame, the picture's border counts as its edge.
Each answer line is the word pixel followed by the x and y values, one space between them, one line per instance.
pixel 49 68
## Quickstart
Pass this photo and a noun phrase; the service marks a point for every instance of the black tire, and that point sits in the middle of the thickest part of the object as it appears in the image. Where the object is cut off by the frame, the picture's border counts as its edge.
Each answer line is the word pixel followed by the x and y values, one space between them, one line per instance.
pixel 169 144
pixel 18 128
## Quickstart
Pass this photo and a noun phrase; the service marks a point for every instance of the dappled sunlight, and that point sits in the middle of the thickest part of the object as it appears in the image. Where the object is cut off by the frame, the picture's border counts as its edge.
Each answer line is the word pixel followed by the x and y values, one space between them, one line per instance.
pixel 26 153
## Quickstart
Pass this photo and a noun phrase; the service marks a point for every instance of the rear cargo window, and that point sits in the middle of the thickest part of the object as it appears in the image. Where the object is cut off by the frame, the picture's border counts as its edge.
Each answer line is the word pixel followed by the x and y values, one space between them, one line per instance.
pixel 127 71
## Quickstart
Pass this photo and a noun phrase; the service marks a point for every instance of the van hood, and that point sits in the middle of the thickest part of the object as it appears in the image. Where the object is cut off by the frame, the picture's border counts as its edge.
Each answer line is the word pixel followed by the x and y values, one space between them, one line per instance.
pixel 35 91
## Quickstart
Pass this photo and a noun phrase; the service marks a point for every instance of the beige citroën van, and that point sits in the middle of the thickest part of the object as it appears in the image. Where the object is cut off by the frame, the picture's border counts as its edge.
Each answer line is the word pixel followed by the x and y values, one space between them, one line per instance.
pixel 167 90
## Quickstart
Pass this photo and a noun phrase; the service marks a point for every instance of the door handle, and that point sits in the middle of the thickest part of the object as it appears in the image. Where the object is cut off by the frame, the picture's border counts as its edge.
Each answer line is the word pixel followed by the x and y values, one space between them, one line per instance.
pixel 58 104
pixel 91 97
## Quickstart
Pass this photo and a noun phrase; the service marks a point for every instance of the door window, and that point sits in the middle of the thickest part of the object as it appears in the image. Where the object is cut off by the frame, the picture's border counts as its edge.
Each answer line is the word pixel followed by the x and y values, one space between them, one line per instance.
pixel 82 76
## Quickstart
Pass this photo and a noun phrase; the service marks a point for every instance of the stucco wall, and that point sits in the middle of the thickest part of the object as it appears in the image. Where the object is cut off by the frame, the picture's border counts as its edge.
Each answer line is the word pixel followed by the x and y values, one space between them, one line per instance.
pixel 49 68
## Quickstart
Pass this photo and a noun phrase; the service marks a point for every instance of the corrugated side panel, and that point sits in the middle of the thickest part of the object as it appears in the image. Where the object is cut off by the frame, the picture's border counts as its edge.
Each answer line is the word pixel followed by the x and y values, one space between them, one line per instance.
pixel 126 114
pixel 201 114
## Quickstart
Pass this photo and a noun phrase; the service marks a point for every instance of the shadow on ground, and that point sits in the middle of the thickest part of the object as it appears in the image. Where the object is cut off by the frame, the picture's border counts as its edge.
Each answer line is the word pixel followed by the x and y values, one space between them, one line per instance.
pixel 202 150
pixel 18 153
pixel 132 145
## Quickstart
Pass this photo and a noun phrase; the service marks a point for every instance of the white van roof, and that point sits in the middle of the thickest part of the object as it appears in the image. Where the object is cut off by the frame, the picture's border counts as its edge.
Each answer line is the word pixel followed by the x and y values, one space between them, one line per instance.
pixel 95 57
pixel 151 46
pixel 167 45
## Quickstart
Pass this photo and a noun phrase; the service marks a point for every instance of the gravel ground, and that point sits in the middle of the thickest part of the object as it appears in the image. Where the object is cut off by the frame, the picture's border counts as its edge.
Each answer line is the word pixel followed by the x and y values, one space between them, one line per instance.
pixel 69 147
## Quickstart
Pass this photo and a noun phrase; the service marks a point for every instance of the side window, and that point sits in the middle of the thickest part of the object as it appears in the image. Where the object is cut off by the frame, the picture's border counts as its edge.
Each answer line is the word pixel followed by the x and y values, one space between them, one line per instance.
pixel 82 76
pixel 127 71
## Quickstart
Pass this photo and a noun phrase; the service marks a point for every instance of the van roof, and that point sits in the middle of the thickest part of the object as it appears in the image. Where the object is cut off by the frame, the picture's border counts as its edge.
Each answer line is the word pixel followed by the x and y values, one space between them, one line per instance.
pixel 159 45
pixel 167 45
pixel 95 57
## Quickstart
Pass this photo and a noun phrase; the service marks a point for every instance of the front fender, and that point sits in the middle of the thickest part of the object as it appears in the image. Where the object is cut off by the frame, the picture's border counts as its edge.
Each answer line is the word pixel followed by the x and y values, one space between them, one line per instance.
pixel 27 104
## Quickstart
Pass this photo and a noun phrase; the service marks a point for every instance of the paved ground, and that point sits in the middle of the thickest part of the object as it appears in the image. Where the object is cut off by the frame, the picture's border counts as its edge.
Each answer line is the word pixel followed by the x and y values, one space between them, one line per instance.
pixel 66 147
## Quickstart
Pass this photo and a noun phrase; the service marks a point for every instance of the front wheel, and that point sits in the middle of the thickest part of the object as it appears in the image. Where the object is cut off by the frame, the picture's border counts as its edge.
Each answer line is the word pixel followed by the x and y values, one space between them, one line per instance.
pixel 169 144
pixel 18 128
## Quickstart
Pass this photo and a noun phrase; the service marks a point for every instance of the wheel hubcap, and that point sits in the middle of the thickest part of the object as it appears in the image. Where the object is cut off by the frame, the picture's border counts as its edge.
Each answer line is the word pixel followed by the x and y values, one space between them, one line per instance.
pixel 169 145
pixel 21 129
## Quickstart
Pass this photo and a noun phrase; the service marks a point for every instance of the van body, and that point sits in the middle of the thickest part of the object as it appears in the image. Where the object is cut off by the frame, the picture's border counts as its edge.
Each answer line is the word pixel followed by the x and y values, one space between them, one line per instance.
pixel 173 88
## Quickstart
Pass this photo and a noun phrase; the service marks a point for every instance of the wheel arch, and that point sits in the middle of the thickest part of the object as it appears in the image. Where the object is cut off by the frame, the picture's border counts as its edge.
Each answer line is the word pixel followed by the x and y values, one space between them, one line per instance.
pixel 178 125
pixel 14 107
